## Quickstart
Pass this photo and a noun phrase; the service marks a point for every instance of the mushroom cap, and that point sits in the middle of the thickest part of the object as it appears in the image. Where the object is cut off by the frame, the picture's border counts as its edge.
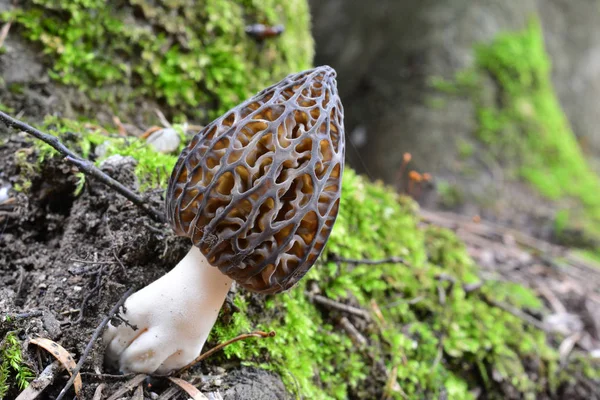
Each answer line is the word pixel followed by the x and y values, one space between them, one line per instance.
pixel 258 189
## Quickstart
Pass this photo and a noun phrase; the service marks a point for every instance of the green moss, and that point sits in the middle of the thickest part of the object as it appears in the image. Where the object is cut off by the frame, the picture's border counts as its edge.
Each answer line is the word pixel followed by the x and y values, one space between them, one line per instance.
pixel 525 127
pixel 13 371
pixel 191 56
pixel 152 170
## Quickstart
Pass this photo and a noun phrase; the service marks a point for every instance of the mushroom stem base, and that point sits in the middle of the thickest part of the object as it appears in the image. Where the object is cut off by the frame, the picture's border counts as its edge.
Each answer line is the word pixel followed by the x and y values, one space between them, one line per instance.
pixel 174 316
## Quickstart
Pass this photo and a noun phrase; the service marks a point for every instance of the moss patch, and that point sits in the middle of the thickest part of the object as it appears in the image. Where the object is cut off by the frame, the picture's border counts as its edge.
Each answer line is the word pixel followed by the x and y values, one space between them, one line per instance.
pixel 13 371
pixel 525 128
pixel 193 57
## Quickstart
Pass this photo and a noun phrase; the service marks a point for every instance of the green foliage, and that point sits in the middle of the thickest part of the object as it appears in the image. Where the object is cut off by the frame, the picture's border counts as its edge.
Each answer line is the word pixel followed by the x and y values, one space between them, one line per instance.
pixel 433 346
pixel 13 371
pixel 189 55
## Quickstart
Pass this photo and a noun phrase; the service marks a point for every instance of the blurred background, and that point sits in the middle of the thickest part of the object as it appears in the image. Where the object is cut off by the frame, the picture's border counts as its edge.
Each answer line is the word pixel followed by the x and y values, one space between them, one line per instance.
pixel 498 101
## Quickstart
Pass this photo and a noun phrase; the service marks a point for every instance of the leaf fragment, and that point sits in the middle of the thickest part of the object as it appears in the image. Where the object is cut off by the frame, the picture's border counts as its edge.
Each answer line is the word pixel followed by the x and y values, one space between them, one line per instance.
pixel 62 356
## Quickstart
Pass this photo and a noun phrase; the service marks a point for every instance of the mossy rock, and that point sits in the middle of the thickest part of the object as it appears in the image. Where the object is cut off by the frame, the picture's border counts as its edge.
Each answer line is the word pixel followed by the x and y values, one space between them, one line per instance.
pixel 192 58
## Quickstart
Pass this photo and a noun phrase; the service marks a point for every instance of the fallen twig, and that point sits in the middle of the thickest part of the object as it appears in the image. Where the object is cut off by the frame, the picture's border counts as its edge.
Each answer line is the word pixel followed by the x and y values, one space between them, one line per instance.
pixel 139 393
pixel 128 386
pixel 75 260
pixel 29 314
pixel 355 335
pixel 20 283
pixel 123 269
pixel 108 376
pixel 377 311
pixel 168 394
pixel 84 166
pixel 40 383
pixel 567 345
pixel 98 392
pixel 10 214
pixel 339 306
pixel 556 304
pixel 90 344
pixel 390 260
pixel 91 293
pixel 454 221
pixel 392 386
pixel 518 313
pixel 4 32
pixel 258 334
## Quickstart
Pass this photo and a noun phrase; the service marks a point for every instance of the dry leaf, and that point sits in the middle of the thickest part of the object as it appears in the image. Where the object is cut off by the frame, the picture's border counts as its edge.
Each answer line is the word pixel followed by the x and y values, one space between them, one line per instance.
pixel 190 389
pixel 62 356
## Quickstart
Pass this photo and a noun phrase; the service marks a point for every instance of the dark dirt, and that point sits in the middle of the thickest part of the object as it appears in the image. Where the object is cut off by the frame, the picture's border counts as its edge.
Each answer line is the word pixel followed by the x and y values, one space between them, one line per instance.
pixel 58 249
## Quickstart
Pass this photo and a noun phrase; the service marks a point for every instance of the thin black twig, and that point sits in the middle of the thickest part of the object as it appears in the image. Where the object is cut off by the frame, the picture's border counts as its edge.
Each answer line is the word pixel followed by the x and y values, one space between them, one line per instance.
pixel 339 306
pixel 258 334
pixel 20 283
pixel 390 260
pixel 108 376
pixel 10 214
pixel 355 335
pixel 29 314
pixel 75 260
pixel 40 383
pixel 124 321
pixel 90 344
pixel 83 165
pixel 519 314
pixel 94 291
pixel 116 255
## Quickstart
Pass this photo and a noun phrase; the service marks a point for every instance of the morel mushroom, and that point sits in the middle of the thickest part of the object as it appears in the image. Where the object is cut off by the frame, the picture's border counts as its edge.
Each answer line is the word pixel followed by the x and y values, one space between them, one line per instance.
pixel 257 191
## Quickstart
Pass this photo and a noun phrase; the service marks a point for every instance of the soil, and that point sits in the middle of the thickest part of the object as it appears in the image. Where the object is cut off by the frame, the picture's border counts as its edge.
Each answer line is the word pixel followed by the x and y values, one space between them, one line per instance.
pixel 72 258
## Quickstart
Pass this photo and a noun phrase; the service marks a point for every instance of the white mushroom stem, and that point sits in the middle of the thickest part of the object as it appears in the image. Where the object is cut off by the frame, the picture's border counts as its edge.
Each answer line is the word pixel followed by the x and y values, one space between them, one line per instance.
pixel 174 316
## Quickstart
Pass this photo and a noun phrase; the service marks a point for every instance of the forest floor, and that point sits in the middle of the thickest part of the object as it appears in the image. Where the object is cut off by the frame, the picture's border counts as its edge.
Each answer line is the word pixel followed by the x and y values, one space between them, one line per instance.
pixel 76 256
pixel 74 259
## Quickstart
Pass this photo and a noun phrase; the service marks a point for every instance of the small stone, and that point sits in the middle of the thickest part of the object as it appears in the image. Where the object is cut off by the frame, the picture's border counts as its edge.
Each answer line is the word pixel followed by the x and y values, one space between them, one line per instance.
pixel 77 288
pixel 486 258
pixel 101 149
pixel 153 395
pixel 165 140
pixel 3 194
pixel 218 382
pixel 51 324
